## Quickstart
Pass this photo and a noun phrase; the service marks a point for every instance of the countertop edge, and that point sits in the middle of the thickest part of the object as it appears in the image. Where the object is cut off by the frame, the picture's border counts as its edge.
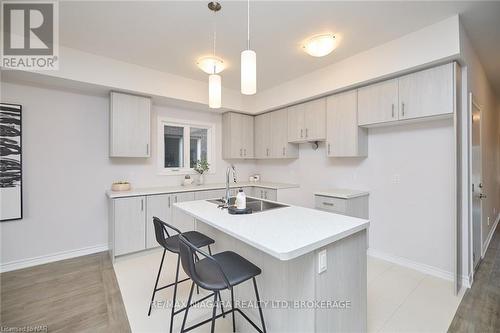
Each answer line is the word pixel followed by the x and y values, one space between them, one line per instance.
pixel 180 189
pixel 341 196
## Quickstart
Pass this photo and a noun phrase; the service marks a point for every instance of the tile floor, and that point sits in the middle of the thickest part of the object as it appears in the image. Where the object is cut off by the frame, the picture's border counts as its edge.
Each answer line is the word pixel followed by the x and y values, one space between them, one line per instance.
pixel 399 299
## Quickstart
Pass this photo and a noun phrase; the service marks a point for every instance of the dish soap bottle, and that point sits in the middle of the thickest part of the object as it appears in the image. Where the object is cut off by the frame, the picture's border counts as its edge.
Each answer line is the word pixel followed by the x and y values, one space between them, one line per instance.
pixel 241 200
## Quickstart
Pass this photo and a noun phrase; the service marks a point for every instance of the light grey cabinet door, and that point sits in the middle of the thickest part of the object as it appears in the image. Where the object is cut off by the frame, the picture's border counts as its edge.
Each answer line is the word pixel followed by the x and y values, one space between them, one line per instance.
pixel 378 103
pixel 248 137
pixel 344 137
pixel 129 226
pixel 262 140
pixel 130 125
pixel 280 147
pixel 315 120
pixel 265 193
pixel 161 207
pixel 427 93
pixel 181 220
pixel 237 136
pixel 296 123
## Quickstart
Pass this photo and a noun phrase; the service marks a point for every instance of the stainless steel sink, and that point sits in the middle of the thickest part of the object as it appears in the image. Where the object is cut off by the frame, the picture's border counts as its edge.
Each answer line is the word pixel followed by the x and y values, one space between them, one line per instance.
pixel 256 205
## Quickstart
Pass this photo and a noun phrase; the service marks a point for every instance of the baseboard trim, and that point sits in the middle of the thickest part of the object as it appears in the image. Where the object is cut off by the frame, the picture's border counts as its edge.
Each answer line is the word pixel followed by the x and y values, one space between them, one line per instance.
pixel 423 268
pixel 29 262
pixel 490 236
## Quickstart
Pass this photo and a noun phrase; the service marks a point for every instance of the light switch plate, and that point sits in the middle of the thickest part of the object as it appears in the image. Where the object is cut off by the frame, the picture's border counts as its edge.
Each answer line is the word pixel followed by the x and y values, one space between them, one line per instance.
pixel 322 261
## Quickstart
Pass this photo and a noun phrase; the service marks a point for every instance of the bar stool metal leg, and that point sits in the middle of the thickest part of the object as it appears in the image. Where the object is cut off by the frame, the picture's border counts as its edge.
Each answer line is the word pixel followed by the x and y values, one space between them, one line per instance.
pixel 214 312
pixel 232 308
pixel 187 308
pixel 175 293
pixel 258 304
pixel 156 283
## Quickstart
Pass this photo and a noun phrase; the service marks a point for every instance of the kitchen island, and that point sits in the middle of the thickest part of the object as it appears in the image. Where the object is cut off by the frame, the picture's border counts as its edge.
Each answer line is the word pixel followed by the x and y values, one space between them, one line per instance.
pixel 313 264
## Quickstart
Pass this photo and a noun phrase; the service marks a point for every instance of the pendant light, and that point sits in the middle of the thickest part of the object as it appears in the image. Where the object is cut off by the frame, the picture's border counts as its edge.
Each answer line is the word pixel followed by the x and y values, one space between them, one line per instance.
pixel 214 79
pixel 248 64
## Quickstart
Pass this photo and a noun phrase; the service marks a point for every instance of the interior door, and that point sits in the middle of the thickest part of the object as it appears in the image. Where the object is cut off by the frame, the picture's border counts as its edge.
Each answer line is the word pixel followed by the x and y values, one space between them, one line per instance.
pixel 477 186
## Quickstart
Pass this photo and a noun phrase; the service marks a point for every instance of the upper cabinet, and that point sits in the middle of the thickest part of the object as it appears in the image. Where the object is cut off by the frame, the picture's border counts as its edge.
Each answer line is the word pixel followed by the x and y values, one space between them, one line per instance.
pixel 271 136
pixel 263 139
pixel 344 137
pixel 130 125
pixel 237 136
pixel 378 103
pixel 306 121
pixel 427 93
pixel 418 95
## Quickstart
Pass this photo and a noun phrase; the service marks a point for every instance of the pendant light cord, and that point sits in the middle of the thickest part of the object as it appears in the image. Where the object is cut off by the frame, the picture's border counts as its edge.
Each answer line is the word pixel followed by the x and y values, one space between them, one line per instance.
pixel 248 24
pixel 215 36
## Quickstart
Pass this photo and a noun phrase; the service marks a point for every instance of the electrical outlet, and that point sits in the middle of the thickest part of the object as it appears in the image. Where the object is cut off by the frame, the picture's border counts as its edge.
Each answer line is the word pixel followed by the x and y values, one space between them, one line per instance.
pixel 322 261
pixel 396 178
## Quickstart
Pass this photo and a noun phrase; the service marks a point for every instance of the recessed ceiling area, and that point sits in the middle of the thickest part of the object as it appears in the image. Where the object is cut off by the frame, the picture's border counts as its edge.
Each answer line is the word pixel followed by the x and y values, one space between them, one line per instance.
pixel 171 35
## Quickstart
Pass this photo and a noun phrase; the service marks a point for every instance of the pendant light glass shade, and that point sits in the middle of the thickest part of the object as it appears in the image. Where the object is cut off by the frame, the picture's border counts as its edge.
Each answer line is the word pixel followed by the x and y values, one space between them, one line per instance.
pixel 214 91
pixel 248 72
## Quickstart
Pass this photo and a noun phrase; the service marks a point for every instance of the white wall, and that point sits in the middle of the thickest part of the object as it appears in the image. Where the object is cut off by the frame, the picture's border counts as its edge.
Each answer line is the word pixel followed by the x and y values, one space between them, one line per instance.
pixel 66 170
pixel 411 218
pixel 478 83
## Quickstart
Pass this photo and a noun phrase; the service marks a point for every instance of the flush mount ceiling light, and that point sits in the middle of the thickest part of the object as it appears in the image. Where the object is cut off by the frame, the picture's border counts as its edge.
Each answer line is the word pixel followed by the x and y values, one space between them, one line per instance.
pixel 211 64
pixel 248 64
pixel 320 45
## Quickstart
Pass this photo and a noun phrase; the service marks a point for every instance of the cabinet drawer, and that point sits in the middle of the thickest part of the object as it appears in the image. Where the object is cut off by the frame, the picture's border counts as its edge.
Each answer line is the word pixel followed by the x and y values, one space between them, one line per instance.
pixel 330 204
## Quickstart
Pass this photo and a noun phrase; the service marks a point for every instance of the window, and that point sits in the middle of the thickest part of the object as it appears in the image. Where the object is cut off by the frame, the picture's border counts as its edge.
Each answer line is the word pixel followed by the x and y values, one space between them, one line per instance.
pixel 182 143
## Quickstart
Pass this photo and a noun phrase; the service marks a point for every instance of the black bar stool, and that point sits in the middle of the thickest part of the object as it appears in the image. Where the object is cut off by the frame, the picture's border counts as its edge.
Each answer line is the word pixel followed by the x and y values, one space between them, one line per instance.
pixel 218 272
pixel 171 243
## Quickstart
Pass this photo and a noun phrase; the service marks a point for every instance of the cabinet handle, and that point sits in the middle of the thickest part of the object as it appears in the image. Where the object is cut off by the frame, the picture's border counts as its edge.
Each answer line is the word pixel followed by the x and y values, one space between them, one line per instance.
pixel 142 205
pixel 147 148
pixel 265 195
pixel 261 194
pixel 175 199
pixel 403 109
pixel 301 130
pixel 392 110
pixel 169 202
pixel 245 152
pixel 328 203
pixel 241 152
pixel 306 133
pixel 328 149
pixel 284 151
pixel 267 151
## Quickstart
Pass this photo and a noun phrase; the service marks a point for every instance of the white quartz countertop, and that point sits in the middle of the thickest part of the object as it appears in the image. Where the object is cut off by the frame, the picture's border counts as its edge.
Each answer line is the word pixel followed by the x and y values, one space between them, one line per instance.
pixel 205 187
pixel 284 233
pixel 342 193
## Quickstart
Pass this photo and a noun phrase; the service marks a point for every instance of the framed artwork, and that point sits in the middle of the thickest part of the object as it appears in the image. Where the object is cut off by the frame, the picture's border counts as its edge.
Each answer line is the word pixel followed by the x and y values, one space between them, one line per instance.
pixel 11 190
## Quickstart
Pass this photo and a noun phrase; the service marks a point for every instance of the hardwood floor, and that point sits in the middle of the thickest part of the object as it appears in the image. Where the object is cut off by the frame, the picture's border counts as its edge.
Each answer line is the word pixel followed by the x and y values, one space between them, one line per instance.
pixel 479 310
pixel 74 295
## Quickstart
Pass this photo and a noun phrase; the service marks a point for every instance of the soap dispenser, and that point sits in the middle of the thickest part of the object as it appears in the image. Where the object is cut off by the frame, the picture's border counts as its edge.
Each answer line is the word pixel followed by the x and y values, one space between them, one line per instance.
pixel 241 200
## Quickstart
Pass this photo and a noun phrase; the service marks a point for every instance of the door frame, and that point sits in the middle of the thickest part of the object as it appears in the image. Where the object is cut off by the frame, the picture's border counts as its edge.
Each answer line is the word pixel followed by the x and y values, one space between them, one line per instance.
pixel 473 103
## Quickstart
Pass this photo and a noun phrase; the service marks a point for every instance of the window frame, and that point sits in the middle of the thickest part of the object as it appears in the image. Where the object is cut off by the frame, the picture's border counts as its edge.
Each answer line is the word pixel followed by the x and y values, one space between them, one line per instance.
pixel 186 125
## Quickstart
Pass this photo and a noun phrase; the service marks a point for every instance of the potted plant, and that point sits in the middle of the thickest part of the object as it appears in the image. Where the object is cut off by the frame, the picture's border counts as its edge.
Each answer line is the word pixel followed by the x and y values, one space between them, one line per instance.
pixel 201 167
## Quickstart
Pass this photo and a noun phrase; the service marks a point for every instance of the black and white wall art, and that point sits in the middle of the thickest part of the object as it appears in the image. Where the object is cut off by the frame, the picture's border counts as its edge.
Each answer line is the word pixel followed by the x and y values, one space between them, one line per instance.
pixel 11 192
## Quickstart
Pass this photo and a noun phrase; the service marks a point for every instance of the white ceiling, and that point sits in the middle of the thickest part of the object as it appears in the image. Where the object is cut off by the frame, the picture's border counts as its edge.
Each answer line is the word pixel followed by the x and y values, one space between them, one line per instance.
pixel 170 35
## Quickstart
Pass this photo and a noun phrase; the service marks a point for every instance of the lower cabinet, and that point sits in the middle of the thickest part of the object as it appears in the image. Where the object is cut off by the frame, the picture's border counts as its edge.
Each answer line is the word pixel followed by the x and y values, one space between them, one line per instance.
pixel 129 215
pixel 131 218
pixel 265 193
pixel 356 207
pixel 161 206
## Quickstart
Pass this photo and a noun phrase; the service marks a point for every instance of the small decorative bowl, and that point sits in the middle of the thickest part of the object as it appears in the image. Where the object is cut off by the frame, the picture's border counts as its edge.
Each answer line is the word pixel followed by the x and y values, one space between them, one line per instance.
pixel 187 181
pixel 120 187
